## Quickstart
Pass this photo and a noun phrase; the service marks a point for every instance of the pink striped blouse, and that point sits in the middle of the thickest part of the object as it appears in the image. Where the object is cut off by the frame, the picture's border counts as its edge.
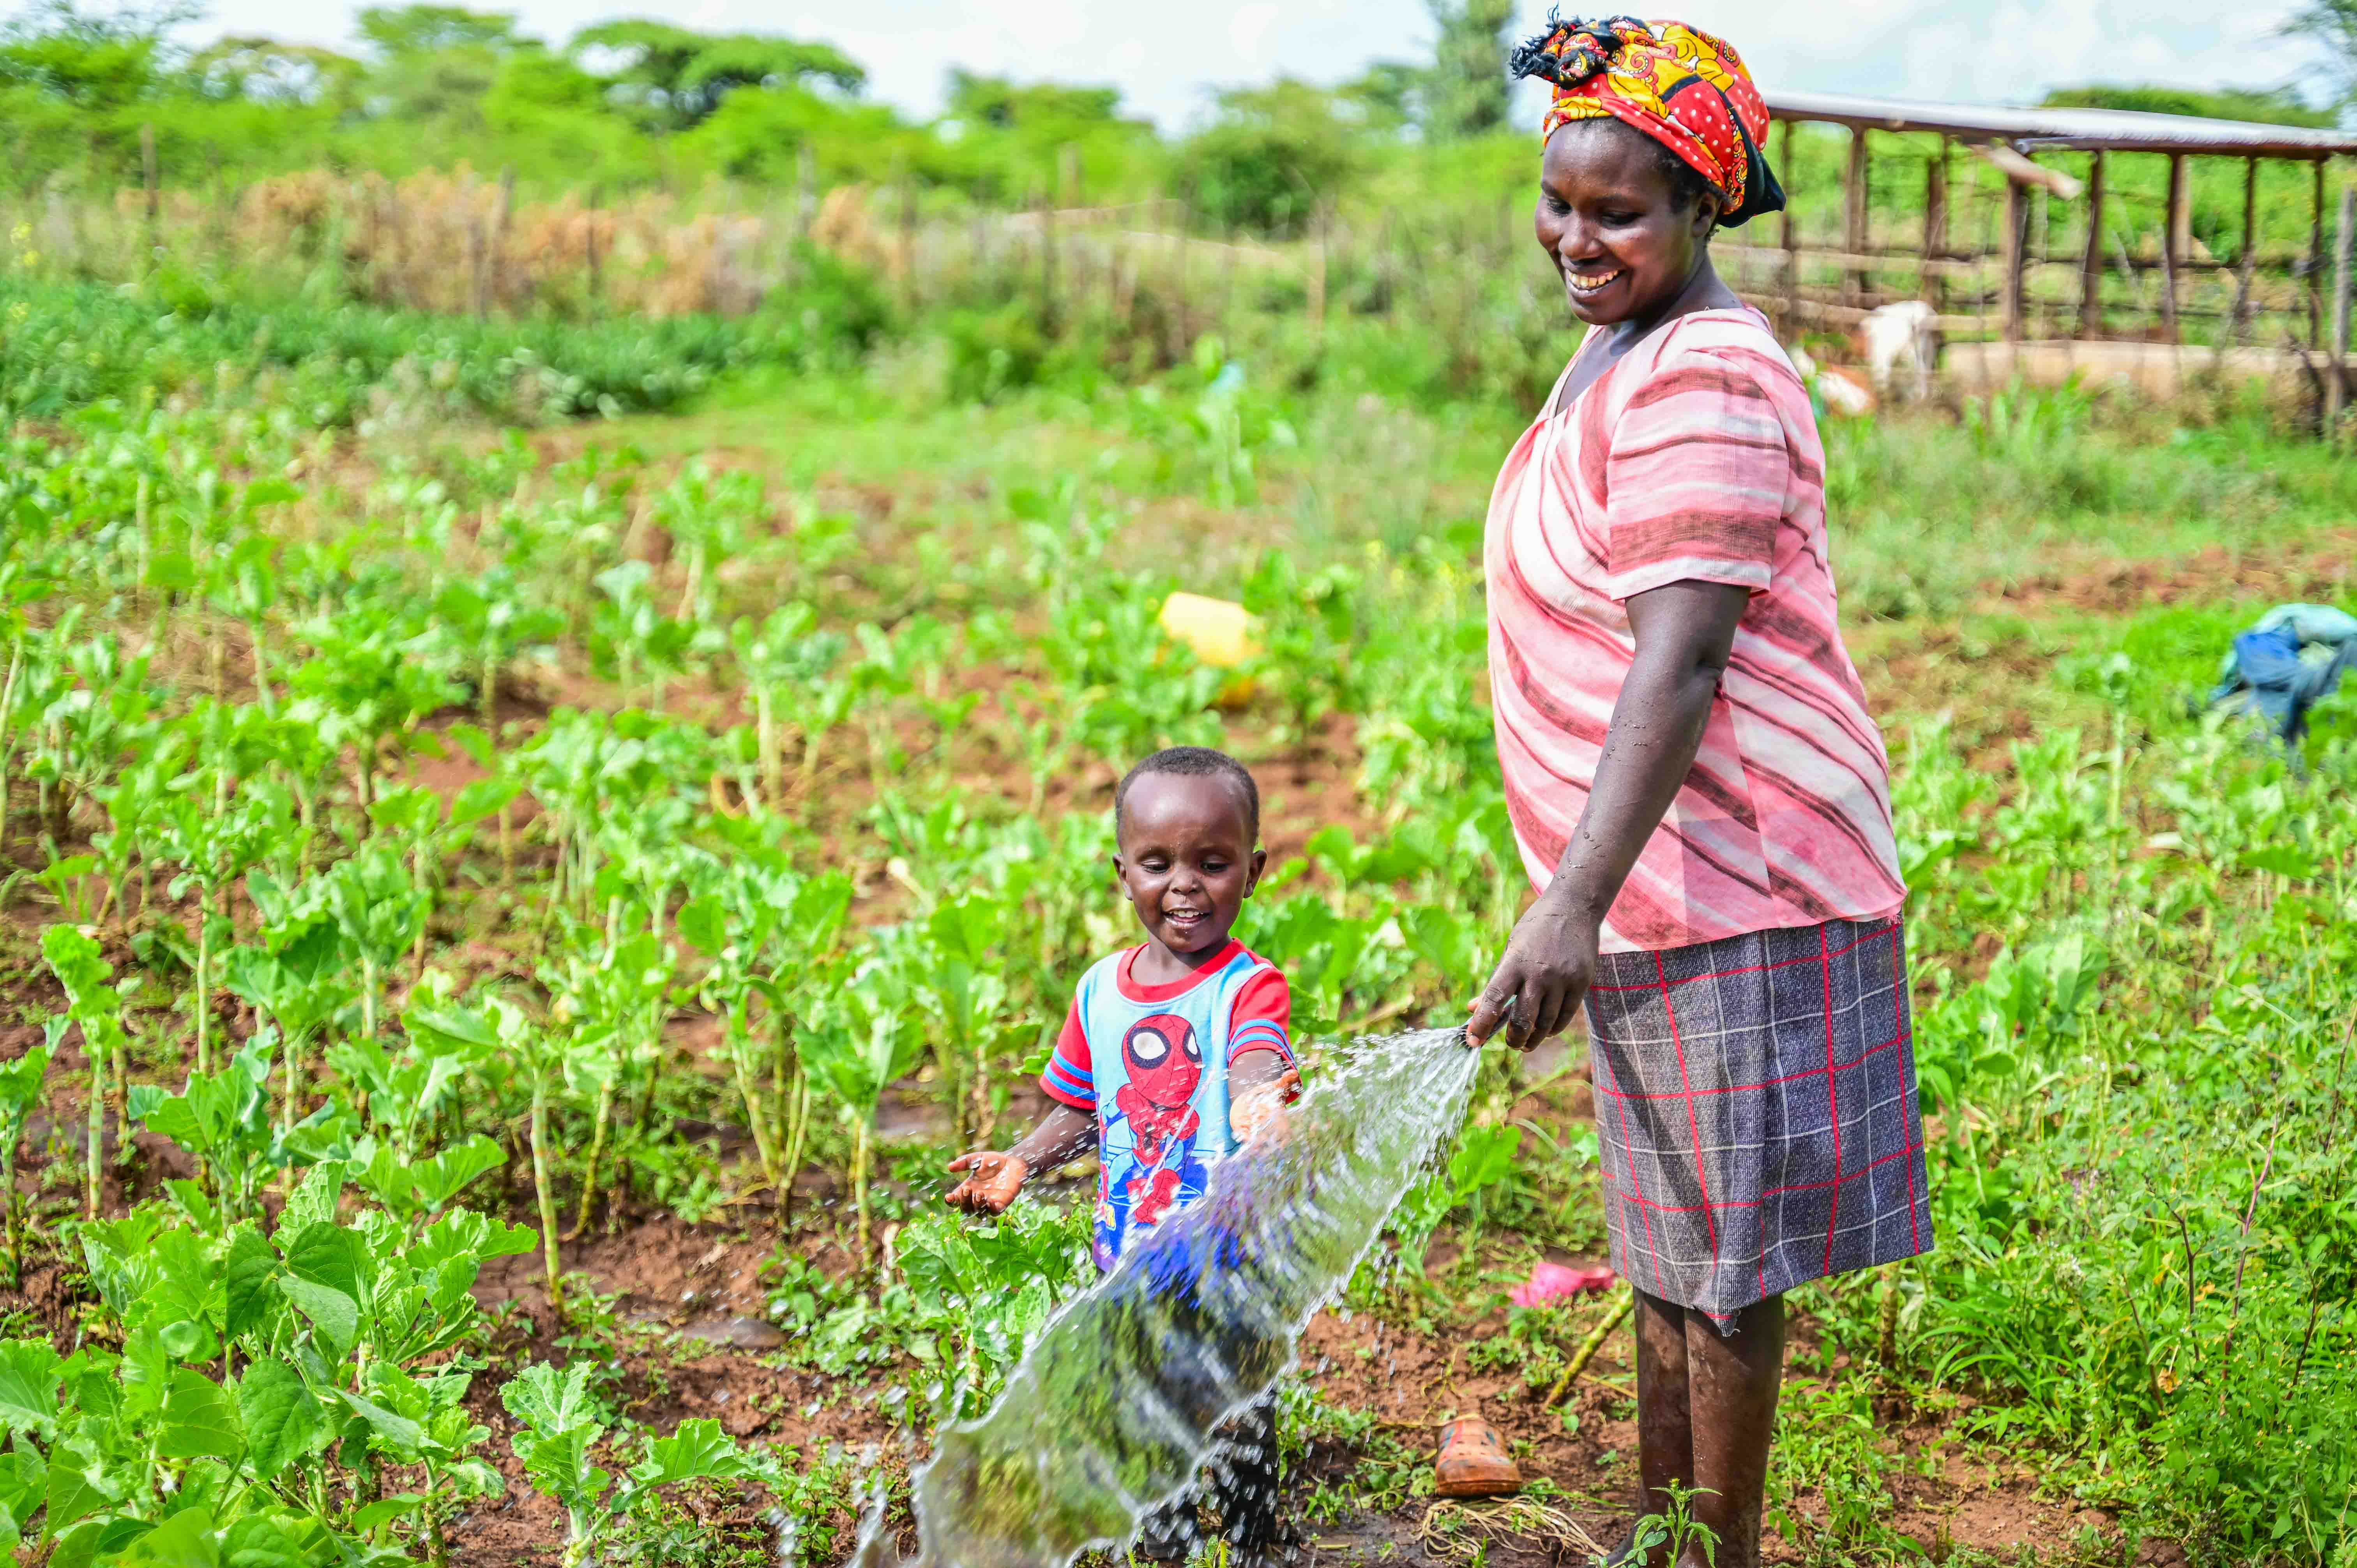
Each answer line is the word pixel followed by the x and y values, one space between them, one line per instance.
pixel 1694 457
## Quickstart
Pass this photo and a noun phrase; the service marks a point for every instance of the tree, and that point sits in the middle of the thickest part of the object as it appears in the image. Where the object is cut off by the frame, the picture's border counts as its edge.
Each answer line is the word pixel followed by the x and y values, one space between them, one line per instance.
pixel 266 70
pixel 1466 93
pixel 92 61
pixel 395 31
pixel 1273 156
pixel 678 76
pixel 2334 23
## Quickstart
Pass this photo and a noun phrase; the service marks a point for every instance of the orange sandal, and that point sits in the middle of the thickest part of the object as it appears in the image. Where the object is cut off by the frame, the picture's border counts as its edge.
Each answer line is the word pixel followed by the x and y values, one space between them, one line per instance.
pixel 1473 1461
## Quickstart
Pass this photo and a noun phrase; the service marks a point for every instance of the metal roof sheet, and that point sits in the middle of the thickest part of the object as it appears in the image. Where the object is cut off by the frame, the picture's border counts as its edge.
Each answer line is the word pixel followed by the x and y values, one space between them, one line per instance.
pixel 2116 130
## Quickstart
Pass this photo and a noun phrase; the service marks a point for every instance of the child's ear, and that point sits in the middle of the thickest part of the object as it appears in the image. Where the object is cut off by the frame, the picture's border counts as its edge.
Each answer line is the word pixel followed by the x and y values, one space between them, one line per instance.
pixel 1259 865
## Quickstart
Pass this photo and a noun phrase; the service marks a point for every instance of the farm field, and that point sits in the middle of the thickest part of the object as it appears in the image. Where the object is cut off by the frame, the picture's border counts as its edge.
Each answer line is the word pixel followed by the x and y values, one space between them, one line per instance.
pixel 505 916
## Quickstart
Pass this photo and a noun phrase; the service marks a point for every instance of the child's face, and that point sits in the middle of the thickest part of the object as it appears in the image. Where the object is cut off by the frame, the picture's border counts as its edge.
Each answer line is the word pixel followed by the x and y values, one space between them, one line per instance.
pixel 1186 859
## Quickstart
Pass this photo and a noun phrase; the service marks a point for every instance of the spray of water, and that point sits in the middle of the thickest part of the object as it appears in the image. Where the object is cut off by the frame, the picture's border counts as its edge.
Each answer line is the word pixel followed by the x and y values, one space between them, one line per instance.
pixel 1115 1406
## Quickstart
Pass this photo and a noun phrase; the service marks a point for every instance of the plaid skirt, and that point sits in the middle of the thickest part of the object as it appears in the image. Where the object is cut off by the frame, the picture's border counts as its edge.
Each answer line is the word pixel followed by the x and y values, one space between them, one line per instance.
pixel 1755 1102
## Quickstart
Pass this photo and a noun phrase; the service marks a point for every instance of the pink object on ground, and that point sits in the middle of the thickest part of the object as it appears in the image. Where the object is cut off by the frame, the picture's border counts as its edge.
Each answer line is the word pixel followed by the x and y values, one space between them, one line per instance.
pixel 1554 1282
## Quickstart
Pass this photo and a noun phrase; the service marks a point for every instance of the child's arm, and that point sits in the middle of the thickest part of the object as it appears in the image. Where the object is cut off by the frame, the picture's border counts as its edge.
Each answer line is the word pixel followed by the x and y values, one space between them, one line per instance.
pixel 1261 1077
pixel 993 1178
pixel 1261 1085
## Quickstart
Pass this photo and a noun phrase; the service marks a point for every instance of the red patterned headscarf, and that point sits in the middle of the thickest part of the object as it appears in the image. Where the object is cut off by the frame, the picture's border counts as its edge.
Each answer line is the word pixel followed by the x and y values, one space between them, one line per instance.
pixel 1684 88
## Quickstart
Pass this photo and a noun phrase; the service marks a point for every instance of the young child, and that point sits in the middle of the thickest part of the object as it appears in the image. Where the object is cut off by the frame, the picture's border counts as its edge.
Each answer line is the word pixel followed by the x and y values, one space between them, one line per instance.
pixel 1175 1052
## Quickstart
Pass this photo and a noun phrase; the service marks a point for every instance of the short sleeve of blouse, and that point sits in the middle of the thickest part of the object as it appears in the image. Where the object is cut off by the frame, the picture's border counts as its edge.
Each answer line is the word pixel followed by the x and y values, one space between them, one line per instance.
pixel 1697 480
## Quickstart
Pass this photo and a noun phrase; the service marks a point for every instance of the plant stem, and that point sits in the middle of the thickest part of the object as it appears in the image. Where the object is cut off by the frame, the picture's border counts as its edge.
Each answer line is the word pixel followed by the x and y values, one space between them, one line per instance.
pixel 756 1115
pixel 597 1148
pixel 859 1183
pixel 204 970
pixel 9 1198
pixel 1588 1346
pixel 792 1163
pixel 548 1241
pixel 97 1113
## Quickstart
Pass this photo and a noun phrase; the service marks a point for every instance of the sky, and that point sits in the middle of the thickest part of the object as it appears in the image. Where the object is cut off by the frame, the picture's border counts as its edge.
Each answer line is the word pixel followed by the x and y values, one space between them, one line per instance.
pixel 1166 59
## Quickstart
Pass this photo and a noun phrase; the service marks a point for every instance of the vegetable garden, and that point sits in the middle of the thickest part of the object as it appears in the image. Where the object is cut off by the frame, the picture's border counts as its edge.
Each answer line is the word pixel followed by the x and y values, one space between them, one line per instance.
pixel 502 923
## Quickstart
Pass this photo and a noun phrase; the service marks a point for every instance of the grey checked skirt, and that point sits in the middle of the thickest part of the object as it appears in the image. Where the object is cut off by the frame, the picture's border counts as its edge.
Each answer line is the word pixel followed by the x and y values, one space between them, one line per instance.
pixel 1755 1100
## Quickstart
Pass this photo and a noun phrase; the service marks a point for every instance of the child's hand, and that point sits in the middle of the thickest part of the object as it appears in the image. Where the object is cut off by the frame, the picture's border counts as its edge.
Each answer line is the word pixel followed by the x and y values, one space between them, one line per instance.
pixel 992 1179
pixel 1260 1110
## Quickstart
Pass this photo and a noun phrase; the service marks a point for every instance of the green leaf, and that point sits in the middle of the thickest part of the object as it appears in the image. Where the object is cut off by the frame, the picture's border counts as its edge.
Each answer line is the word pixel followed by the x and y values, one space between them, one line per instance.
pixel 280 1540
pixel 24 1483
pixel 385 1511
pixel 549 1401
pixel 336 1316
pixel 172 570
pixel 283 1421
pixel 28 1387
pixel 441 1178
pixel 184 1540
pixel 699 1450
pixel 332 1255
pixel 560 1466
pixel 703 924
pixel 75 1491
pixel 399 1433
pixel 246 1276
pixel 482 798
pixel 99 1542
pixel 199 1422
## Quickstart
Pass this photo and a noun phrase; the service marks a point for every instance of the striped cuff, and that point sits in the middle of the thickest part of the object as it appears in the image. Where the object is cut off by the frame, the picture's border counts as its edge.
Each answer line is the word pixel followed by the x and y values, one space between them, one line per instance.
pixel 1068 1087
pixel 1259 1036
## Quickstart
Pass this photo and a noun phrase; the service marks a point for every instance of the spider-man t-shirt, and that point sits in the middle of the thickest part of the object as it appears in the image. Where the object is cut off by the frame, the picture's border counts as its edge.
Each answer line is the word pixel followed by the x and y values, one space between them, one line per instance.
pixel 1150 1062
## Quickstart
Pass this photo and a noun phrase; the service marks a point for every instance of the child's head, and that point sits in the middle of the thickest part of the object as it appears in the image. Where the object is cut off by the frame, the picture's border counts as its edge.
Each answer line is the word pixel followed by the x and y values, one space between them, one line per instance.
pixel 1187 838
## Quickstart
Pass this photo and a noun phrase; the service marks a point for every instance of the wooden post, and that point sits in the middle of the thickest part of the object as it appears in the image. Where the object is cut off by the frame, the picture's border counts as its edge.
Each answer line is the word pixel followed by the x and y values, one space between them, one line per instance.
pixel 1935 221
pixel 1048 252
pixel 474 221
pixel 2172 257
pixel 2250 259
pixel 2316 263
pixel 1317 276
pixel 2017 255
pixel 1790 235
pixel 805 192
pixel 909 236
pixel 155 189
pixel 2091 262
pixel 2344 241
pixel 501 212
pixel 1854 218
pixel 589 247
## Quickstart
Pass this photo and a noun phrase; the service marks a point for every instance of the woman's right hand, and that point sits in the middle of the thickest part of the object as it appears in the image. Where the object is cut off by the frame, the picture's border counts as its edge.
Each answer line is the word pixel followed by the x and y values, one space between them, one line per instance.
pixel 992 1181
pixel 1549 962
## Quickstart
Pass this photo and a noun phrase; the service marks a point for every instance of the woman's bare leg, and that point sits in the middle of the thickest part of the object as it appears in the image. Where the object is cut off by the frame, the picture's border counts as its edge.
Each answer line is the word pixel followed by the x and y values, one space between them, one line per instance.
pixel 1664 1415
pixel 1732 1381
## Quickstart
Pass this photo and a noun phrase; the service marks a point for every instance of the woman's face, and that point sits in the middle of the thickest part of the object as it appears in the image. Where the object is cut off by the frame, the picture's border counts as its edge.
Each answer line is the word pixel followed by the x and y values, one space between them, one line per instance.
pixel 1608 218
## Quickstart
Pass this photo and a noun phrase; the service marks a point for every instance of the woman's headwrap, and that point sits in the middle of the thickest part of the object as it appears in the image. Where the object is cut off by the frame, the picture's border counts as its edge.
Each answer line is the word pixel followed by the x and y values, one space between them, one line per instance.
pixel 1685 88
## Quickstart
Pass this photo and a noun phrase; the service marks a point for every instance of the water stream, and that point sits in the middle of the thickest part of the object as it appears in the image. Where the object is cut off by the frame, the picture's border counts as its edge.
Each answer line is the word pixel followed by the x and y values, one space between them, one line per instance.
pixel 1113 1408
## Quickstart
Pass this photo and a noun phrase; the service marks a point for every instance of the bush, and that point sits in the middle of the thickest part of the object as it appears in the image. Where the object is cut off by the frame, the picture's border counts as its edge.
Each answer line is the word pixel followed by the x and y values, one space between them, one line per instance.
pixel 1274 154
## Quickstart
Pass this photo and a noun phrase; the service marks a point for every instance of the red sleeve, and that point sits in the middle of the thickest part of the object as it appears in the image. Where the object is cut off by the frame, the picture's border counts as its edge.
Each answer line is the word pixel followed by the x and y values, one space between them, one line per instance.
pixel 1070 1079
pixel 1698 477
pixel 1262 1017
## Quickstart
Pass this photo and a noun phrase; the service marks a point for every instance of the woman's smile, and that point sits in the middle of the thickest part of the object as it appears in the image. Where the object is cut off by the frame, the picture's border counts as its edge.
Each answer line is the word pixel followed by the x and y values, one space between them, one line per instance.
pixel 1590 282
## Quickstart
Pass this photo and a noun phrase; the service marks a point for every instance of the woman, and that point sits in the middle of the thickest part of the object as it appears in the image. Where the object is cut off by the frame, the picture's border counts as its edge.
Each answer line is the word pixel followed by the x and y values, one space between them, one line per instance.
pixel 1695 787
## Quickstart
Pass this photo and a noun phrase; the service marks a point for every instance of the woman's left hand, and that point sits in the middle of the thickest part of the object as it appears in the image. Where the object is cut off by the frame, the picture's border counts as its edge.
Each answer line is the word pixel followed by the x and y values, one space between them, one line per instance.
pixel 1548 965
